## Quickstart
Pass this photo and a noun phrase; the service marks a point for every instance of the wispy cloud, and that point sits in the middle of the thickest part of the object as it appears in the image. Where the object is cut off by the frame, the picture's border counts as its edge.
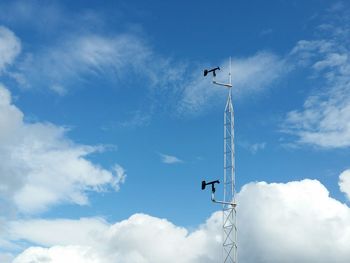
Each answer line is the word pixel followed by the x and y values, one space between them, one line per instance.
pixel 173 86
pixel 266 32
pixel 137 119
pixel 169 159
pixel 254 148
pixel 249 75
pixel 77 57
pixel 21 12
pixel 325 117
pixel 49 19
pixel 176 86
pixel 10 47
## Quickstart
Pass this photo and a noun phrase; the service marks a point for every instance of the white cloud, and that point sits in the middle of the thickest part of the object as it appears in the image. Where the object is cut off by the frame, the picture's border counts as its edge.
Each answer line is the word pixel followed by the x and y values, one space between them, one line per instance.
pixel 136 119
pixel 34 155
pixel 6 258
pixel 326 114
pixel 62 231
pixel 120 176
pixel 324 118
pixel 344 183
pixel 22 12
pixel 76 254
pixel 81 55
pixel 169 159
pixel 78 56
pixel 249 75
pixel 59 89
pixel 291 222
pixel 141 238
pixel 10 47
pixel 254 148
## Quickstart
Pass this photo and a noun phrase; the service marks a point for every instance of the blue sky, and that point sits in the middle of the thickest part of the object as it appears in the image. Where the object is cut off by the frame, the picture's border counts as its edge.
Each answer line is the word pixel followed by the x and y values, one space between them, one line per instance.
pixel 106 116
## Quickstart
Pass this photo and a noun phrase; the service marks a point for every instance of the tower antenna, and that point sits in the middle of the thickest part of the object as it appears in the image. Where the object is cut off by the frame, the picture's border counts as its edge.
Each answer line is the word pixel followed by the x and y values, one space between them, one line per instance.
pixel 229 200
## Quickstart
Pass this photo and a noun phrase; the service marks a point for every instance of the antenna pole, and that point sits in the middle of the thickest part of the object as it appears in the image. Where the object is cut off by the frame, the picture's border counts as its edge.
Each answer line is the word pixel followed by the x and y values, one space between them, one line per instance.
pixel 230 79
pixel 229 210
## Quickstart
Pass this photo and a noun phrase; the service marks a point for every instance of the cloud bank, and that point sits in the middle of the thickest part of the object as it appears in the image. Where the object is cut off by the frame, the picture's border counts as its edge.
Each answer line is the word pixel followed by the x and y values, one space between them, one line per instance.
pixel 141 238
pixel 278 222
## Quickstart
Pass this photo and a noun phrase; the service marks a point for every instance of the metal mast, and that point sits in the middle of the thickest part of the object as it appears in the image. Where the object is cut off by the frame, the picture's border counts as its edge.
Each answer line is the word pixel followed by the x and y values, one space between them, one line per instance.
pixel 229 207
pixel 229 199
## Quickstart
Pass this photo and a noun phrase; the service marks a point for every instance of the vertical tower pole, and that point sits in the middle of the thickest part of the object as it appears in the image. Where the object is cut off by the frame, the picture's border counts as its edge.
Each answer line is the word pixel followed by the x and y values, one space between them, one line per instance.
pixel 229 202
pixel 229 210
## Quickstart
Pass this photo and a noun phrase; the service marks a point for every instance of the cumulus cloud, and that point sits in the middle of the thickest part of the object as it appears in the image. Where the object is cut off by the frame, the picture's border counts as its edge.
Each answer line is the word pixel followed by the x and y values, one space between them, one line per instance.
pixel 344 183
pixel 10 47
pixel 76 254
pixel 278 222
pixel 62 231
pixel 34 155
pixel 292 222
pixel 249 75
pixel 141 238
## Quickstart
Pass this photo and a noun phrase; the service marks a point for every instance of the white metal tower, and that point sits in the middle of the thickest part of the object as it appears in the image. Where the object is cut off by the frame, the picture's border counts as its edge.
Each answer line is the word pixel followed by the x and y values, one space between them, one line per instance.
pixel 229 199
pixel 229 206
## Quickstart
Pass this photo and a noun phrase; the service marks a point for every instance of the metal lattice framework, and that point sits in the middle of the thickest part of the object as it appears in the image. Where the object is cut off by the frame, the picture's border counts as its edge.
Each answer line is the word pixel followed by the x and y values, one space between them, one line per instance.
pixel 229 207
pixel 229 201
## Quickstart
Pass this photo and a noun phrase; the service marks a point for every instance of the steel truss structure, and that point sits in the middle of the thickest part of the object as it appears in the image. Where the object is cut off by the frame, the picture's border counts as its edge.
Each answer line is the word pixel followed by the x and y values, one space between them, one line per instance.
pixel 229 200
pixel 229 204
